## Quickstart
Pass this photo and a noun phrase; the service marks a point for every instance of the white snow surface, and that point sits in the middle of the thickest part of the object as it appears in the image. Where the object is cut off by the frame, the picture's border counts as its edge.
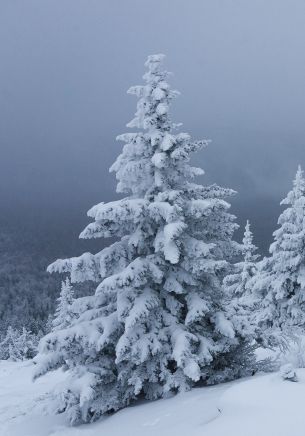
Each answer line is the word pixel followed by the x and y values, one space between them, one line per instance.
pixel 261 405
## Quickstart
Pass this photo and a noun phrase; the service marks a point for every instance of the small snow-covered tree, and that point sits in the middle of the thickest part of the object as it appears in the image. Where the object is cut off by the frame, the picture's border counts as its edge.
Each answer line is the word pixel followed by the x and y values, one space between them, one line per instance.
pixel 240 299
pixel 280 282
pixel 157 322
pixel 18 345
pixel 236 282
pixel 26 344
pixel 64 313
pixel 49 324
pixel 288 372
pixel 8 346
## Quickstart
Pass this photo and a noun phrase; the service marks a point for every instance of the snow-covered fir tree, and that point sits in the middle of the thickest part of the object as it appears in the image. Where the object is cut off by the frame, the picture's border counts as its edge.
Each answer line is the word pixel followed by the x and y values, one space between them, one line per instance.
pixel 236 285
pixel 236 282
pixel 8 345
pixel 280 281
pixel 26 344
pixel 64 313
pixel 49 324
pixel 157 322
pixel 17 345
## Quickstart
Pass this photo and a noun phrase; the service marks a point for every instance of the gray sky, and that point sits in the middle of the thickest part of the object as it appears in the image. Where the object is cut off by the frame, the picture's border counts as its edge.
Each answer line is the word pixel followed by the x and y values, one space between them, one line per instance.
pixel 65 66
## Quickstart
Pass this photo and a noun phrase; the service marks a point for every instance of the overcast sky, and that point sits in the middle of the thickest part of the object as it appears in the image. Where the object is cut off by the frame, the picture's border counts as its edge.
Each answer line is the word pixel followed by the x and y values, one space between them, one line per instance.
pixel 65 66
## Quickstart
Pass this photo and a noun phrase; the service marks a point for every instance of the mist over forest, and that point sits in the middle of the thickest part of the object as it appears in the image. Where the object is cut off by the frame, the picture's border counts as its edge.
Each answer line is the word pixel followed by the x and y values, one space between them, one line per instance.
pixel 63 102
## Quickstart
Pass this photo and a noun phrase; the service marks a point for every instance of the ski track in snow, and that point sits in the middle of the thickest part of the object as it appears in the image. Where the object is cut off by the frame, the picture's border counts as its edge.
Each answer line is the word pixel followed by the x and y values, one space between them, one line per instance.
pixel 263 405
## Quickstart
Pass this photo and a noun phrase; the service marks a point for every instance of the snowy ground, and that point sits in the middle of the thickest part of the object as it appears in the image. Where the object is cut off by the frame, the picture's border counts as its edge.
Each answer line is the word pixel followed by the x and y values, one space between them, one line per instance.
pixel 263 405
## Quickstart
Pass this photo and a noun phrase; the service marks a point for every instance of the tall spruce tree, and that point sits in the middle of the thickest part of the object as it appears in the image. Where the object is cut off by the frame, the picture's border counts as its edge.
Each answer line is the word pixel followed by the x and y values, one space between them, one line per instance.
pixel 157 322
pixel 280 282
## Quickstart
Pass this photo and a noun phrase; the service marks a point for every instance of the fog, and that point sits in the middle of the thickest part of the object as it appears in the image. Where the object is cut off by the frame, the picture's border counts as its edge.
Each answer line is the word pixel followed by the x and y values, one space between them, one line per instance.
pixel 65 67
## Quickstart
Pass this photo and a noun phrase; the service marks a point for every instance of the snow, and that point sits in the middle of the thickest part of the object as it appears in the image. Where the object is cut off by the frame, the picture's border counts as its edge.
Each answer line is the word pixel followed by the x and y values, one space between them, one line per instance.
pixel 168 142
pixel 264 405
pixel 223 325
pixel 261 405
pixel 288 372
pixel 21 401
